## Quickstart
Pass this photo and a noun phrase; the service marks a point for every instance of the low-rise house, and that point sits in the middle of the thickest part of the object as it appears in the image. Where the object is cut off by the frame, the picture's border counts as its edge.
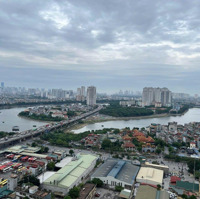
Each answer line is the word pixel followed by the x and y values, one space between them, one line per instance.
pixel 88 191
pixel 128 146
pixel 148 148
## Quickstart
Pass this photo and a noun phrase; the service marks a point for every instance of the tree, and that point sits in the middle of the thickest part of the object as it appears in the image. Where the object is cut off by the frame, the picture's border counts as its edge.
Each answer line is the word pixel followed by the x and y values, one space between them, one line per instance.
pixel 98 182
pixel 155 162
pixel 31 179
pixel 158 150
pixel 197 174
pixel 192 197
pixel 46 149
pixel 106 144
pixel 71 152
pixel 33 144
pixel 51 166
pixel 74 192
pixel 118 188
pixel 67 197
pixel 158 186
pixel 184 196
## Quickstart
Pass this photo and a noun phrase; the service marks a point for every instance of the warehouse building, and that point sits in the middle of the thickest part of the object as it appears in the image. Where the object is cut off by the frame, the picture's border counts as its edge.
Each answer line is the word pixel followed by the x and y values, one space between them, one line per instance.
pixel 70 175
pixel 150 176
pixel 117 172
pixel 157 166
pixel 151 192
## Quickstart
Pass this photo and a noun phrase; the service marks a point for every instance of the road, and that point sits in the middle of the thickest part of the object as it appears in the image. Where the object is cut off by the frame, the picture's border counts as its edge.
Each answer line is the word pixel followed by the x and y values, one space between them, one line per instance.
pixel 43 129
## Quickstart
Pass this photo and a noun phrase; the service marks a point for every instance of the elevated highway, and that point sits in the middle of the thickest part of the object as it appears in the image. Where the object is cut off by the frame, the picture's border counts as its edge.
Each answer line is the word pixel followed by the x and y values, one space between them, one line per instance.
pixel 19 137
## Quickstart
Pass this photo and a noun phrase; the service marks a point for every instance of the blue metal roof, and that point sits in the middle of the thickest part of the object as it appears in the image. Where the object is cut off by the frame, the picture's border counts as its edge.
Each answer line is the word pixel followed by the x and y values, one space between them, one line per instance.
pixel 116 169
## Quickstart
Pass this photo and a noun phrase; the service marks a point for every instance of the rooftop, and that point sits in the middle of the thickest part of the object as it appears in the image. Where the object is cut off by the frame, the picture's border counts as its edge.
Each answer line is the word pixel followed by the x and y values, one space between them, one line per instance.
pixel 118 169
pixel 150 175
pixel 64 162
pixel 66 176
pixel 86 190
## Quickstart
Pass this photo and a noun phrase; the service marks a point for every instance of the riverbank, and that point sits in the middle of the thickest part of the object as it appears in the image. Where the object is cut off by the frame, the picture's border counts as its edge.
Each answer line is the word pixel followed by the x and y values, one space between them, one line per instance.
pixel 28 118
pixel 105 118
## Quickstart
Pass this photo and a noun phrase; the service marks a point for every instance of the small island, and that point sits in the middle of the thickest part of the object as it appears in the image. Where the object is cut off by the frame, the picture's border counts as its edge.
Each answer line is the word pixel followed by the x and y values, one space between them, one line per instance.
pixel 49 113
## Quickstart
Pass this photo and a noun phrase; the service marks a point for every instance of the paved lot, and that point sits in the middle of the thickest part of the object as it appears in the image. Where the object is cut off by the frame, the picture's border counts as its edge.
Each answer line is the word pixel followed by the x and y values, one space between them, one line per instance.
pixel 106 194
pixel 175 168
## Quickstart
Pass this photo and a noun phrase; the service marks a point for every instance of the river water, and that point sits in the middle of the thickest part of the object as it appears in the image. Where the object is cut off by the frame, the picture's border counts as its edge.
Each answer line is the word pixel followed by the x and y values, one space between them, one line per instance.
pixel 193 115
pixel 10 118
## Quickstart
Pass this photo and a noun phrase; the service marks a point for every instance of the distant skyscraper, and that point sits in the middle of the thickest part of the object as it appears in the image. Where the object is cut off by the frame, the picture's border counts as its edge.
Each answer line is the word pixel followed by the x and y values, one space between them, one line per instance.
pixel 83 91
pixel 151 96
pixel 91 96
pixel 2 84
pixel 80 96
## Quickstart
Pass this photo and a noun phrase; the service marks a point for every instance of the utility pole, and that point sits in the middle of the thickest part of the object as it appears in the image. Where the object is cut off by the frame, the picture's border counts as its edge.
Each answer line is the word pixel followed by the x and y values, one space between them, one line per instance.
pixel 194 175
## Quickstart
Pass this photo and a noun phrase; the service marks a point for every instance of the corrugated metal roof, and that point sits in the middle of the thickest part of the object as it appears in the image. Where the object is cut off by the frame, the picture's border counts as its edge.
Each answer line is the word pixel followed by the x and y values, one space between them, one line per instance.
pixel 71 172
pixel 117 168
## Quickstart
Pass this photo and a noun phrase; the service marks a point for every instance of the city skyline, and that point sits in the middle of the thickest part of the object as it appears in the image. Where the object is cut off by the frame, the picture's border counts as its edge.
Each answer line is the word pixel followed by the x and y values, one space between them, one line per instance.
pixel 110 44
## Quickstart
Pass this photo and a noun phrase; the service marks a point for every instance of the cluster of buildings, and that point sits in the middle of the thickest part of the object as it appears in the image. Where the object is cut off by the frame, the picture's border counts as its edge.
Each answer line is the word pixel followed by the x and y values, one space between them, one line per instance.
pixel 90 96
pixel 157 97
pixel 125 137
pixel 187 135
pixel 60 111
pixel 10 95
pixel 132 178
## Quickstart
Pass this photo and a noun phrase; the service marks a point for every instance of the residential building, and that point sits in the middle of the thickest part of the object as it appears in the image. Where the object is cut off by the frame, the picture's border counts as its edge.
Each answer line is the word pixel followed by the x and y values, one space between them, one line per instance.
pixel 156 96
pixel 91 96
pixel 88 191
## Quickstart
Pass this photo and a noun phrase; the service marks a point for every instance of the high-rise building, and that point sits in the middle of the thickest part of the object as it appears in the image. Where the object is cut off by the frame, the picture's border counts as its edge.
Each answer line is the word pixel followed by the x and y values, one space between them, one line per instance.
pixel 91 96
pixel 2 84
pixel 80 96
pixel 152 96
pixel 83 91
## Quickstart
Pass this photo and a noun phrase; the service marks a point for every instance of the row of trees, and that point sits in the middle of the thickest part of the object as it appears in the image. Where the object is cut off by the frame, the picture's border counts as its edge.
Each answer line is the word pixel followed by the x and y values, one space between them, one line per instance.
pixel 4 134
pixel 61 138
pixel 119 111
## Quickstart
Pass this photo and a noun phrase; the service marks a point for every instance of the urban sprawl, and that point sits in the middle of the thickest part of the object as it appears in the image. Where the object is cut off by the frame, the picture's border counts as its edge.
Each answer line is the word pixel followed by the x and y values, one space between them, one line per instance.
pixel 51 161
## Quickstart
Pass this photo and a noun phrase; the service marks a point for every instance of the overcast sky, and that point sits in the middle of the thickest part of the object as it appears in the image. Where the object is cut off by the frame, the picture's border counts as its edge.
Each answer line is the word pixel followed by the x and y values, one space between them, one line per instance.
pixel 112 44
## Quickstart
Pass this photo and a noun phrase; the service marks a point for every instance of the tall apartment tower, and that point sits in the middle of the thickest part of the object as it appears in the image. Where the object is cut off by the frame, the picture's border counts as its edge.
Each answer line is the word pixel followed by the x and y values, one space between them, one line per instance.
pixel 91 96
pixel 151 96
pixel 83 90
pixel 80 96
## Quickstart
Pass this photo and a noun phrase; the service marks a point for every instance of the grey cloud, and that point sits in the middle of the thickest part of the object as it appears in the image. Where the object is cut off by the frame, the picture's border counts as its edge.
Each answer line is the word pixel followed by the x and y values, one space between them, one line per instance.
pixel 145 39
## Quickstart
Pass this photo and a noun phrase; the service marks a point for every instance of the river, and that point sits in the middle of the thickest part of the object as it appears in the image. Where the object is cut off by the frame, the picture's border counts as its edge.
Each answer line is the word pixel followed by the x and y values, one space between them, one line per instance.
pixel 193 115
pixel 10 118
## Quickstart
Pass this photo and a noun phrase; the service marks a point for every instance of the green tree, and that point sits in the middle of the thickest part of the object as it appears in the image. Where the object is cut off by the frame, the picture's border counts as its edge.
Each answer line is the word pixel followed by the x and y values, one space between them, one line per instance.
pixel 67 197
pixel 106 144
pixel 118 188
pixel 184 196
pixel 31 179
pixel 158 150
pixel 74 192
pixel 98 182
pixel 51 166
pixel 158 186
pixel 155 162
pixel 71 152
pixel 192 197
pixel 33 144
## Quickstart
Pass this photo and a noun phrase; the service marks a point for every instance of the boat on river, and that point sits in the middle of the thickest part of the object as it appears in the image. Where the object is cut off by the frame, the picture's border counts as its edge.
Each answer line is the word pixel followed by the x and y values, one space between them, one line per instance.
pixel 15 128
